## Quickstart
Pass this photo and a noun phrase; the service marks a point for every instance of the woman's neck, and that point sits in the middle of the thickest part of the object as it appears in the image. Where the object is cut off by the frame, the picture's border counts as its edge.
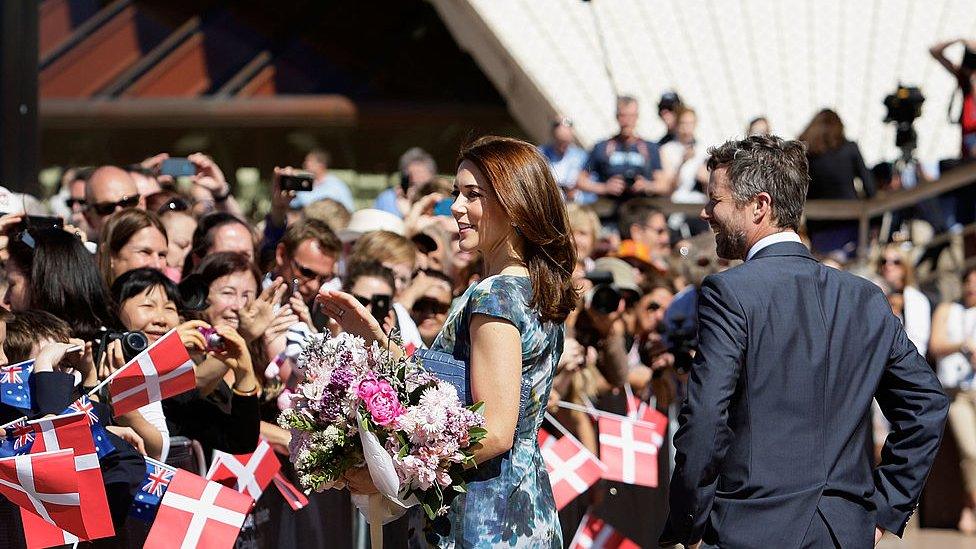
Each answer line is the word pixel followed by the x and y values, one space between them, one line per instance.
pixel 504 259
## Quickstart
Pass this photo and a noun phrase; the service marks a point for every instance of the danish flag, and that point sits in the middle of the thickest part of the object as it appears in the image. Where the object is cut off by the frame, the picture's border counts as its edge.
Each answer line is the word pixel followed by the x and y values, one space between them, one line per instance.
pixel 161 371
pixel 641 411
pixel 594 533
pixel 246 473
pixel 71 432
pixel 572 469
pixel 629 450
pixel 46 485
pixel 199 513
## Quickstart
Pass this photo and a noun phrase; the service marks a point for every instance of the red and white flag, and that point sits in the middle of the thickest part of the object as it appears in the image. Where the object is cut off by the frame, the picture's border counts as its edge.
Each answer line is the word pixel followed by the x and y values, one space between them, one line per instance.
pixel 639 410
pixel 161 371
pixel 293 496
pixel 572 469
pixel 71 432
pixel 546 439
pixel 246 473
pixel 594 533
pixel 45 484
pixel 629 450
pixel 198 513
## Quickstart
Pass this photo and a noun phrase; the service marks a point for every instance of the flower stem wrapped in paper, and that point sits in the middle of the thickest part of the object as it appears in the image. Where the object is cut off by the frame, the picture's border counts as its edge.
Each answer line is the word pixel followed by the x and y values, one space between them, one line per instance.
pixel 360 406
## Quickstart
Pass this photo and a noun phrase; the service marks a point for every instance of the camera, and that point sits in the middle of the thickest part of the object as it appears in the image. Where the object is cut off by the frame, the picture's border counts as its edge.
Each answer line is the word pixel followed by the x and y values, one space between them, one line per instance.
pixel 904 106
pixel 215 342
pixel 177 167
pixel 300 181
pixel 133 343
pixel 604 297
pixel 630 177
pixel 680 329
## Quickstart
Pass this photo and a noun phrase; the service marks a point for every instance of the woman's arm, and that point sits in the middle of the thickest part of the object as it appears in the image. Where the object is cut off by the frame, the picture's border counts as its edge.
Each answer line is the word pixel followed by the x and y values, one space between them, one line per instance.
pixel 938 52
pixel 155 440
pixel 496 379
pixel 939 344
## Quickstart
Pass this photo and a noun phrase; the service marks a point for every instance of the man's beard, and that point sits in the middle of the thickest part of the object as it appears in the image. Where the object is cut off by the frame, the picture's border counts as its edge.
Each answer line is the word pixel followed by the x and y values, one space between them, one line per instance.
pixel 730 242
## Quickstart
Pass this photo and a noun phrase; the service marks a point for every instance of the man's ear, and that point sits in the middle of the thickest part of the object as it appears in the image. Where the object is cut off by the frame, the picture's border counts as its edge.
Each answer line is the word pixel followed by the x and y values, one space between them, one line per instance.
pixel 762 207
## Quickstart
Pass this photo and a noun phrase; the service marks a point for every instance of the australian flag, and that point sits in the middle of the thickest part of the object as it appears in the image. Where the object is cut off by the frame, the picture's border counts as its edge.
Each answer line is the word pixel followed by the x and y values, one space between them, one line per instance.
pixel 14 390
pixel 103 446
pixel 17 439
pixel 158 477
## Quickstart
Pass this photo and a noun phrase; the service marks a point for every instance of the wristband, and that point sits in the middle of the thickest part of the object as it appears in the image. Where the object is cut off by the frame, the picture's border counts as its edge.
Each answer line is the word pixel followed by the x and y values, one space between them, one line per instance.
pixel 219 199
pixel 252 392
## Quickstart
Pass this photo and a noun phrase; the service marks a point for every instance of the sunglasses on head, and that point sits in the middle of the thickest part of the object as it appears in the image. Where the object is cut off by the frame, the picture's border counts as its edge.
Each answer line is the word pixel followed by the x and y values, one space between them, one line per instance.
pixel 72 202
pixel 108 208
pixel 175 204
pixel 428 306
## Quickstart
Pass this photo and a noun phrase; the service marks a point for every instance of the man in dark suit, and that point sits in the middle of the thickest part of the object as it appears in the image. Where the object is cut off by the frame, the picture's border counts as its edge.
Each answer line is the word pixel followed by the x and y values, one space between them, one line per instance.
pixel 774 443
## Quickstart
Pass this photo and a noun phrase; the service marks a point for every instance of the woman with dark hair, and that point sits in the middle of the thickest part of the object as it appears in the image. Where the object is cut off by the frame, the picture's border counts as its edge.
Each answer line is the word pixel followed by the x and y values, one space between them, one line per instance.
pixel 508 329
pixel 219 232
pixel 131 239
pixel 835 163
pixel 51 270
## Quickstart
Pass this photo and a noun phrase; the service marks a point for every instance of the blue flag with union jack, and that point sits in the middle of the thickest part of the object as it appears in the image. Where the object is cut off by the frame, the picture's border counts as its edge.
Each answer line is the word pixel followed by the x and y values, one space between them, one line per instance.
pixel 14 390
pixel 17 440
pixel 103 446
pixel 158 477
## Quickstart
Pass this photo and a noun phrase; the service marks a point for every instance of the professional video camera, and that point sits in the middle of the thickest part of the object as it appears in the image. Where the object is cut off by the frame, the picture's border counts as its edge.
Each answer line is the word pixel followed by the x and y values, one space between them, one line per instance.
pixel 904 106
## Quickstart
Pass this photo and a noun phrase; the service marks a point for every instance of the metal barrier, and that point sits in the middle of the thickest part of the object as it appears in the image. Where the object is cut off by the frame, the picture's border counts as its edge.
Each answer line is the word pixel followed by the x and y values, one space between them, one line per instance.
pixel 187 454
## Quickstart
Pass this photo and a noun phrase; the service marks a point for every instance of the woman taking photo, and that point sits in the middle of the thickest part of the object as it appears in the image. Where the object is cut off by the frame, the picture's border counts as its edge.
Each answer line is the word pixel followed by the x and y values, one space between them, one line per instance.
pixel 509 330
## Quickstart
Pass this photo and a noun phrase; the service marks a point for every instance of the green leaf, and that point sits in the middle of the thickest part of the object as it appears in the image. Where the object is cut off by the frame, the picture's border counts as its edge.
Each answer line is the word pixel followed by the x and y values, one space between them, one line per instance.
pixel 477 407
pixel 477 432
pixel 431 512
pixel 460 488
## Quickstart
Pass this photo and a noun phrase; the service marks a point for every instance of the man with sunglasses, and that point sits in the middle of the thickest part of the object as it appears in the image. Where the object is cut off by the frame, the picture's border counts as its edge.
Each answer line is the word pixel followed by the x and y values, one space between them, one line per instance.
pixel 643 227
pixel 307 254
pixel 109 189
pixel 566 159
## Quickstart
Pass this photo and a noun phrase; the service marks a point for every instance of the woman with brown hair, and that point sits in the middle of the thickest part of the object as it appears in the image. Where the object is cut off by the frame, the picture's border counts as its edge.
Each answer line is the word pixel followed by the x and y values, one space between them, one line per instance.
pixel 508 329
pixel 835 163
pixel 131 239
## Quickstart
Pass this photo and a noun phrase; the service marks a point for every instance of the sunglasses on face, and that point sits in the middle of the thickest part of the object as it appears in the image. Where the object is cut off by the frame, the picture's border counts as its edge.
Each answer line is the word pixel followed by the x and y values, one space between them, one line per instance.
pixel 72 202
pixel 653 306
pixel 428 306
pixel 173 205
pixel 890 261
pixel 108 208
pixel 309 274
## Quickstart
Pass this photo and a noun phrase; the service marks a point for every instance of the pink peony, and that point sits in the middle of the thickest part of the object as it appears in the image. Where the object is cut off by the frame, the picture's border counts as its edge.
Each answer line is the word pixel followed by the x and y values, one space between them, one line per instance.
pixel 383 404
pixel 369 387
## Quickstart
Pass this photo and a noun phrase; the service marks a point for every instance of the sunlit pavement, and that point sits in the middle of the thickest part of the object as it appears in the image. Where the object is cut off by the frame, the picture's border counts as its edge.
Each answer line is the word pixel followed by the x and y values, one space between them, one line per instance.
pixel 918 538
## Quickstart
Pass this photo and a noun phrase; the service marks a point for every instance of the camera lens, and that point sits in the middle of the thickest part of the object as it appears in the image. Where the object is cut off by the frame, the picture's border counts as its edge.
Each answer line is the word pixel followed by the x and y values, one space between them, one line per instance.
pixel 605 299
pixel 134 343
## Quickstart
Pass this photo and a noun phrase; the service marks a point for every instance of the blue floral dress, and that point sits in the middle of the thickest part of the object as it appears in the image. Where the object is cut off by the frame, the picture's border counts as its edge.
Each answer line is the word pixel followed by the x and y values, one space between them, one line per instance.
pixel 509 500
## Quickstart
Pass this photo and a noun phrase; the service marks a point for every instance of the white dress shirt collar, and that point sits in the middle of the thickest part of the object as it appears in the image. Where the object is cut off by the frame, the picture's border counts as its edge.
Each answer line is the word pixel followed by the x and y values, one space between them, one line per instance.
pixel 775 238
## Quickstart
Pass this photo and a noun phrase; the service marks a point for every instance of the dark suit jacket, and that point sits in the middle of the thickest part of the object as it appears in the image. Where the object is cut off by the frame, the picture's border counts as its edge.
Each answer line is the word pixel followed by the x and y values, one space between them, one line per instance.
pixel 776 425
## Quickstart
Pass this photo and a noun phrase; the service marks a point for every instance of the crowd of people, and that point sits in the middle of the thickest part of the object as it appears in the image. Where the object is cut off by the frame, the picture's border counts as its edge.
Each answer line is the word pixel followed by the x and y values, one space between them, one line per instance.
pixel 139 252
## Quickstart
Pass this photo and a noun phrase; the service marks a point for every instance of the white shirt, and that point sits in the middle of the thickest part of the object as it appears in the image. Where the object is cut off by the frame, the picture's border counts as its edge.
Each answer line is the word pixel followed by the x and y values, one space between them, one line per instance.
pixel 775 238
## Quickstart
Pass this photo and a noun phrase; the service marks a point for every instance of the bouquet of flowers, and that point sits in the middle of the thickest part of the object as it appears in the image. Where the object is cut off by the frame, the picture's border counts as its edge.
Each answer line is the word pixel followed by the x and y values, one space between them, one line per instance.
pixel 359 406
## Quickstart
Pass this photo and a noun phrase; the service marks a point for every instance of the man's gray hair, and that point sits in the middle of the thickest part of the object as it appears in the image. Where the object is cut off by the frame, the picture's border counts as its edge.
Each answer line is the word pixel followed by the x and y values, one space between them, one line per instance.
pixel 416 154
pixel 766 164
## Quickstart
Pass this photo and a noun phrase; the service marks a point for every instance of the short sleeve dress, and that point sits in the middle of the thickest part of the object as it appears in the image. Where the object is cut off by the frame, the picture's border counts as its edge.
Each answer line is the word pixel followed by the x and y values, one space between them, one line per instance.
pixel 509 501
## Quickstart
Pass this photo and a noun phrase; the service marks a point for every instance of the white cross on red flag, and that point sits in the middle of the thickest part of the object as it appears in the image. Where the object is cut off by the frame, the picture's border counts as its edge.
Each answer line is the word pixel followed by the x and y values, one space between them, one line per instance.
pixel 45 484
pixel 629 450
pixel 198 513
pixel 71 432
pixel 594 533
pixel 546 439
pixel 161 371
pixel 572 469
pixel 641 411
pixel 246 473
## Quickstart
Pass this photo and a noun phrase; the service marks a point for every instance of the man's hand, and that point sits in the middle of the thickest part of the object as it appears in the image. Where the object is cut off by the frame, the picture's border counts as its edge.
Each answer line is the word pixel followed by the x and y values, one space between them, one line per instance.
pixel 209 176
pixel 615 186
pixel 878 533
pixel 642 185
